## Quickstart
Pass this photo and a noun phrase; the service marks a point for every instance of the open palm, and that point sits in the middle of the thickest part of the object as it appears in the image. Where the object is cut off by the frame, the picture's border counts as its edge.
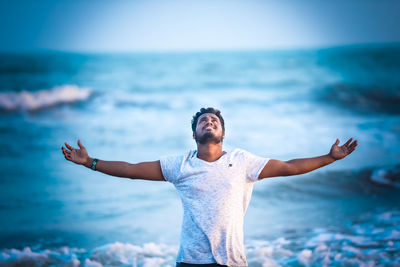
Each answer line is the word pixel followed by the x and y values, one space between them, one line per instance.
pixel 339 152
pixel 78 156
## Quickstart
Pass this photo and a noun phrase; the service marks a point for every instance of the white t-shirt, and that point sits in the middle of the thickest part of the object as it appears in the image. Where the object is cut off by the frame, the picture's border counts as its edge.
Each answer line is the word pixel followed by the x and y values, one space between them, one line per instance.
pixel 215 196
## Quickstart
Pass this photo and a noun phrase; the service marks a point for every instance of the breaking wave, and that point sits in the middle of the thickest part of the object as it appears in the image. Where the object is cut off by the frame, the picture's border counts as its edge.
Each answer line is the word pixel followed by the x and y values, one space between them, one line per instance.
pixel 24 100
pixel 363 99
pixel 116 254
pixel 373 239
pixel 388 177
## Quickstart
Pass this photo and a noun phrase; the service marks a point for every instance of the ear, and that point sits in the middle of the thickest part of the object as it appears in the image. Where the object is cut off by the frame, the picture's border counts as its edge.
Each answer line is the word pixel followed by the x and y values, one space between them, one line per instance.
pixel 193 135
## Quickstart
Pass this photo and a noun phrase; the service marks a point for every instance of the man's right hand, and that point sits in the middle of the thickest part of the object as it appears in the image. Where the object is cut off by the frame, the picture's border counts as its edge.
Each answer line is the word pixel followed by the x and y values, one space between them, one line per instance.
pixel 78 156
pixel 144 170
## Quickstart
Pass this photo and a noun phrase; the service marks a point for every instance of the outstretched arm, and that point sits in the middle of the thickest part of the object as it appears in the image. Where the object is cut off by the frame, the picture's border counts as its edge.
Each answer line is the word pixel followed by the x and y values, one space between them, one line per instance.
pixel 276 168
pixel 145 170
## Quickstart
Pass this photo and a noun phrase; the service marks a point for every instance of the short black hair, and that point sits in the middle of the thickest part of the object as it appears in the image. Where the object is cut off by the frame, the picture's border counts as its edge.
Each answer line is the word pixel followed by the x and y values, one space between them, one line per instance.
pixel 207 110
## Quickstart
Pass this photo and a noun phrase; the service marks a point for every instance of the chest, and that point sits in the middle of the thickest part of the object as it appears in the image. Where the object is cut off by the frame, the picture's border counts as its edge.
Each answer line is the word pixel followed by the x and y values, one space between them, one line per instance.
pixel 198 178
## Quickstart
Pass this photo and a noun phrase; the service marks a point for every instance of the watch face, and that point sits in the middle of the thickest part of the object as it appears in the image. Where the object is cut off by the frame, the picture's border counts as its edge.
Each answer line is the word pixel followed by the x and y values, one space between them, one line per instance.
pixel 94 164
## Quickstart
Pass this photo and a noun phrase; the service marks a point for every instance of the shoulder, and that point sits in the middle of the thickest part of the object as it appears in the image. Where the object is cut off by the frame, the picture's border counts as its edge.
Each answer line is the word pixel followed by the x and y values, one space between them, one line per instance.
pixel 253 164
pixel 171 165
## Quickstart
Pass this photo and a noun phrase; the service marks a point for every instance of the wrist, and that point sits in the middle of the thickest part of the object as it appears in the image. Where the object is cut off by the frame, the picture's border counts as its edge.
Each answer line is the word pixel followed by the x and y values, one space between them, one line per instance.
pixel 331 157
pixel 88 162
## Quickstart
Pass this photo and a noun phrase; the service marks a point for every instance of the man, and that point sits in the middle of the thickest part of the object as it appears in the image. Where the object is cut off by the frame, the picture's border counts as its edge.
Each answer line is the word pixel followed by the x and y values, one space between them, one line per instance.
pixel 215 187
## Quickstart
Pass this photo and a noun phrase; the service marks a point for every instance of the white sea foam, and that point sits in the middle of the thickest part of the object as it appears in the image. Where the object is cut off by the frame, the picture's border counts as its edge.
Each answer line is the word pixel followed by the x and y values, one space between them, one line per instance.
pixel 63 256
pixel 389 177
pixel 11 101
pixel 305 256
pixel 116 254
pixel 373 241
pixel 149 254
pixel 320 247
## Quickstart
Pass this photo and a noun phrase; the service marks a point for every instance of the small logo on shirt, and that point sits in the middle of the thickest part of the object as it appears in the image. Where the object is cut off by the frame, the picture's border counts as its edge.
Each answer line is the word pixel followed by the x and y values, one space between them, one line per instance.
pixel 230 165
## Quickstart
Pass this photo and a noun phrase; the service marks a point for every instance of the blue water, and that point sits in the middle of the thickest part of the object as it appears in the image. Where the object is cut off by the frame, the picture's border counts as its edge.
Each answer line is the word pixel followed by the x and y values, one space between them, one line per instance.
pixel 138 107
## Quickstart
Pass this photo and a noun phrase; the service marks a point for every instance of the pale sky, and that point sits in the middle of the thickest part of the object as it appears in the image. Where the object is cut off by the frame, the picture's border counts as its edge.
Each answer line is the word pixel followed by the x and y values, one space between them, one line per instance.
pixel 181 25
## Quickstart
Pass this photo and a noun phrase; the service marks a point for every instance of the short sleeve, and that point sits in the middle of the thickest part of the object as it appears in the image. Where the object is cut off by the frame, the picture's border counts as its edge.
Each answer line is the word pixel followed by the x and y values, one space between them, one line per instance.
pixel 254 165
pixel 170 167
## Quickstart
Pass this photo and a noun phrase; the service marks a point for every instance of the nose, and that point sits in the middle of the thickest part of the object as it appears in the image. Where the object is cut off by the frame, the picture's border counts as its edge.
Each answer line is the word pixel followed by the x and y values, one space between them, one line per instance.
pixel 209 122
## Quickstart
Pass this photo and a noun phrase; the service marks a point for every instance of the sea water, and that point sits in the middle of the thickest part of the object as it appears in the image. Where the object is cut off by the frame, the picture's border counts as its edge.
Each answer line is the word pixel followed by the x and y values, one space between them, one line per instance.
pixel 138 107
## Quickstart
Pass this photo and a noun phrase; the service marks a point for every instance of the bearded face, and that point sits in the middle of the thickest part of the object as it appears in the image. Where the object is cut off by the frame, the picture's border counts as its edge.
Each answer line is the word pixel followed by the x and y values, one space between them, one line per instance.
pixel 208 130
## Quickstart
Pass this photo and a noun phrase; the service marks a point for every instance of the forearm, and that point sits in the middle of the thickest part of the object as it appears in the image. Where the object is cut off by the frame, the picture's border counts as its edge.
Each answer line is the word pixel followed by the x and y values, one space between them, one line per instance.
pixel 300 166
pixel 275 168
pixel 114 168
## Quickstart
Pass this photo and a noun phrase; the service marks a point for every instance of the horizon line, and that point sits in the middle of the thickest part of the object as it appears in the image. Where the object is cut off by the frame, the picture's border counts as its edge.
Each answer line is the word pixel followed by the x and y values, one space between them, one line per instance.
pixel 197 50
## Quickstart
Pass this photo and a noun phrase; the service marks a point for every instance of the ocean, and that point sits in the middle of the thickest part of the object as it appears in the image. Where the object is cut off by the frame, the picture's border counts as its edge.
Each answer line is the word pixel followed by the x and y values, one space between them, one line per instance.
pixel 134 107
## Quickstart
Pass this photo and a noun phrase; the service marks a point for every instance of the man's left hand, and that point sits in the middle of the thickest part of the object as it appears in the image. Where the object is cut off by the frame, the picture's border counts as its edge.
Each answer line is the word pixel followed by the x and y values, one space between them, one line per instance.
pixel 338 152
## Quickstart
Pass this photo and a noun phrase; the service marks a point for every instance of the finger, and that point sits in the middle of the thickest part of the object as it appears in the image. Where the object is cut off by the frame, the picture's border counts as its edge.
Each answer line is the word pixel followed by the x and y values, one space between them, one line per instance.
pixel 351 149
pixel 80 144
pixel 67 153
pixel 337 141
pixel 348 142
pixel 68 146
pixel 353 145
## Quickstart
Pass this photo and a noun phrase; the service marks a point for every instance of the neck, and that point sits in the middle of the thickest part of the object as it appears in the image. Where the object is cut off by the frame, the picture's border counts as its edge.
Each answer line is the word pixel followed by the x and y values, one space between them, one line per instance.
pixel 209 152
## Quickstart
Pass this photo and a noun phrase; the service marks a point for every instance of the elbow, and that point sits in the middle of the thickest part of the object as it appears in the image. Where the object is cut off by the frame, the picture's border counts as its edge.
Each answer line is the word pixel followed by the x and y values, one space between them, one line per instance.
pixel 131 171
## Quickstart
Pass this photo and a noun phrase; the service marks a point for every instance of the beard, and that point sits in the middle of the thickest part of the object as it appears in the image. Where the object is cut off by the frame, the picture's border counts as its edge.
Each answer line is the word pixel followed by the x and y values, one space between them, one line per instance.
pixel 208 138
